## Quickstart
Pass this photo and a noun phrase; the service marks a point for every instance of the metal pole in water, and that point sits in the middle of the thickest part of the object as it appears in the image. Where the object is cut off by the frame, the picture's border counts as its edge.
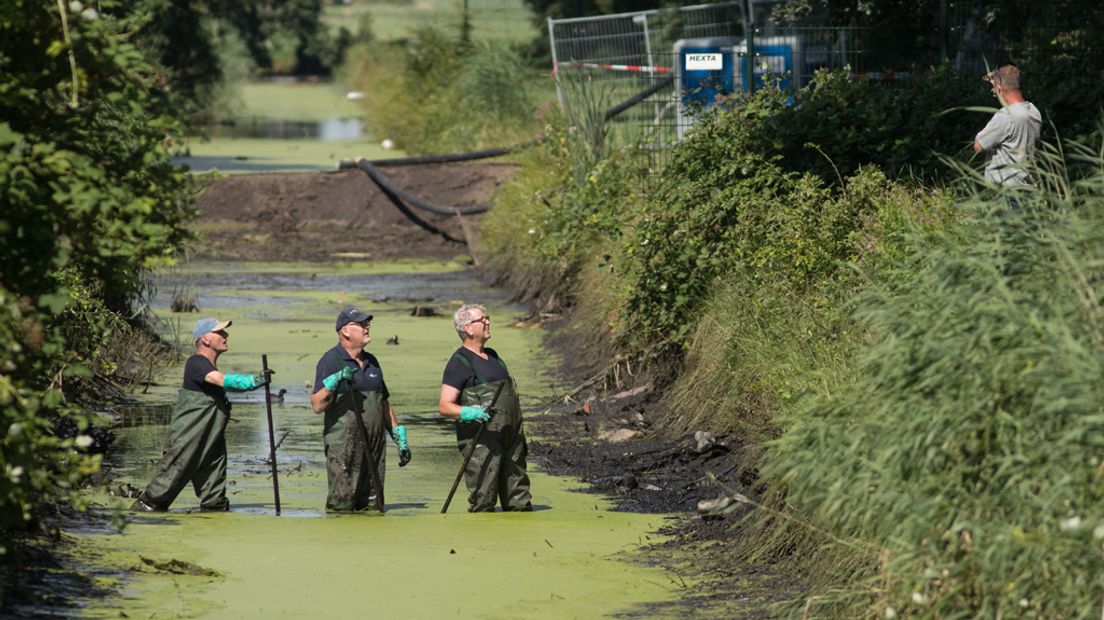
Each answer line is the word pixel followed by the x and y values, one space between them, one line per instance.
pixel 271 435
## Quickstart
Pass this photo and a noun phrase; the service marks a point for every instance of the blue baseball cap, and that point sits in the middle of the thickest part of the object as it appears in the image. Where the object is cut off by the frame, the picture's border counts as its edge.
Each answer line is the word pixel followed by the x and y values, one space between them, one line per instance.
pixel 208 325
pixel 351 315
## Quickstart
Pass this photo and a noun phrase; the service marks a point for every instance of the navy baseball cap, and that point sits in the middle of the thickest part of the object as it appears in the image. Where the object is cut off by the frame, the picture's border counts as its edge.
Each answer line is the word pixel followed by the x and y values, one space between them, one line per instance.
pixel 351 315
pixel 208 325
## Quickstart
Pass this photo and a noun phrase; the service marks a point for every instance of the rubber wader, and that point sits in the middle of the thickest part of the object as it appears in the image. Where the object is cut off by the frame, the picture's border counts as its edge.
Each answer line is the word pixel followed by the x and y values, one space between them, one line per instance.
pixel 496 471
pixel 195 452
pixel 348 477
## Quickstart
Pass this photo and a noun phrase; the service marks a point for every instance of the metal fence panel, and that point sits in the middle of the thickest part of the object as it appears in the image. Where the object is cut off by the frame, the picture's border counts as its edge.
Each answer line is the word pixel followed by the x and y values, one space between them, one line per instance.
pixel 614 57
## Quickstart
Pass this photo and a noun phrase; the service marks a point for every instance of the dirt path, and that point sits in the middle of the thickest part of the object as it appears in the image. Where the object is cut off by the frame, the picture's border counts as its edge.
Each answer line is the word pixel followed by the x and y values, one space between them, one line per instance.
pixel 342 214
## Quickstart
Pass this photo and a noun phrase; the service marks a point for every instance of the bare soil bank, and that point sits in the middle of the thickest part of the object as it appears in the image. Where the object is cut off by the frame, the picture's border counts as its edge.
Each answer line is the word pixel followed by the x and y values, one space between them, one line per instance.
pixel 342 214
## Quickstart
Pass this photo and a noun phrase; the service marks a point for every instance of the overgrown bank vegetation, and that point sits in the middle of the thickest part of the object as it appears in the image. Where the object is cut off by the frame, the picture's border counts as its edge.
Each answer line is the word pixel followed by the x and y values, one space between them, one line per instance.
pixel 437 93
pixel 913 365
pixel 90 199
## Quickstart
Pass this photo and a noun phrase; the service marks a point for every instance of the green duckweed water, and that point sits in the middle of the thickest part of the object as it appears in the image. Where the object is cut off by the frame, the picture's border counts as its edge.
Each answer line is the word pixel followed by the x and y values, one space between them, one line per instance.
pixel 571 557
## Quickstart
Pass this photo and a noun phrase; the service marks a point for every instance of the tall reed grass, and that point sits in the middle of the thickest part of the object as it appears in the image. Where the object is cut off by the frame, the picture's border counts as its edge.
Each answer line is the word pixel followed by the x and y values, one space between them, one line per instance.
pixel 958 461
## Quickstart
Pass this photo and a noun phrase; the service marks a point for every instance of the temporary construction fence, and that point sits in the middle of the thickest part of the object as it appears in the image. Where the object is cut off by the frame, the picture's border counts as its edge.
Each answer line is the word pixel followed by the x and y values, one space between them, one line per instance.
pixel 681 60
pixel 620 50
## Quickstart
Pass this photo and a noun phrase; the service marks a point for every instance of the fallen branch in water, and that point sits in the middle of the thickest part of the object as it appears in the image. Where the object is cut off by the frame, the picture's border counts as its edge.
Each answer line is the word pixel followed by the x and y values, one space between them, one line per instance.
pixel 180 567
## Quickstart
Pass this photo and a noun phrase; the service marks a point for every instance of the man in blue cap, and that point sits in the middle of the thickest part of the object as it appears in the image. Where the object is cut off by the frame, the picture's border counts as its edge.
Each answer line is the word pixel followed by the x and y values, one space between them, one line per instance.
pixel 343 373
pixel 196 448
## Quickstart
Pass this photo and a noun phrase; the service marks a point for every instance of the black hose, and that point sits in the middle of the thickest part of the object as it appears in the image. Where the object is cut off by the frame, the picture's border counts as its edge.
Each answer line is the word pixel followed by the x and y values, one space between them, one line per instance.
pixel 410 215
pixel 397 195
pixel 388 187
pixel 638 97
pixel 454 157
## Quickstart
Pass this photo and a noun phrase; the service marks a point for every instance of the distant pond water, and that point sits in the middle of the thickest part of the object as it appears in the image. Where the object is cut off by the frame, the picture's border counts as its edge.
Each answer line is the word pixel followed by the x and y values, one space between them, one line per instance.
pixel 327 130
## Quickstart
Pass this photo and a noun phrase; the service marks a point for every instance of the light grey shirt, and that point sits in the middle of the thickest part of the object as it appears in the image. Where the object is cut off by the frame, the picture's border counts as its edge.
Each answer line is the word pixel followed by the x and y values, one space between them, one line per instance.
pixel 1010 139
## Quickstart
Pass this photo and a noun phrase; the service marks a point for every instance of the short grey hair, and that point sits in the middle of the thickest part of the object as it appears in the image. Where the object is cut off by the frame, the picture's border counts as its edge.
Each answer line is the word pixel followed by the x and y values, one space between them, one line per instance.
pixel 1007 75
pixel 463 318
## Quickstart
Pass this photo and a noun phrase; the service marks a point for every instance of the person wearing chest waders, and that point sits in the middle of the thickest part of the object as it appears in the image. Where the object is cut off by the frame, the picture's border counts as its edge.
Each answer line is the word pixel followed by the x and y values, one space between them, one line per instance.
pixel 496 472
pixel 196 448
pixel 343 373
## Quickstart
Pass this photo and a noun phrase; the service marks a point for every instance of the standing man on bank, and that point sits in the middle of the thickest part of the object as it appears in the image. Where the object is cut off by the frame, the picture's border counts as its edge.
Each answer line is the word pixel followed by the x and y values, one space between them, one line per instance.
pixel 497 470
pixel 1010 136
pixel 343 373
pixel 196 448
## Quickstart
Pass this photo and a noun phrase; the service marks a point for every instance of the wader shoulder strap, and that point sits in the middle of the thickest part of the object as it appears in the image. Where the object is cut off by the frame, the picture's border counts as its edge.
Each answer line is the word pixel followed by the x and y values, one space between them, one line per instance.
pixel 467 364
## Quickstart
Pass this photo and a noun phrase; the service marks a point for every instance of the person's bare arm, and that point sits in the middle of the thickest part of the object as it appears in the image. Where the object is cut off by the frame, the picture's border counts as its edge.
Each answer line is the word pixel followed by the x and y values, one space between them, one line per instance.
pixel 392 420
pixel 446 404
pixel 320 400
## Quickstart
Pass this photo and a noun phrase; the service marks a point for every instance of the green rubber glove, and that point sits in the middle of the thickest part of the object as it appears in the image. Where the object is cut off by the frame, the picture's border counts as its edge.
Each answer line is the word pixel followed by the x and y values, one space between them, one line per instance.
pixel 399 435
pixel 471 413
pixel 243 383
pixel 345 374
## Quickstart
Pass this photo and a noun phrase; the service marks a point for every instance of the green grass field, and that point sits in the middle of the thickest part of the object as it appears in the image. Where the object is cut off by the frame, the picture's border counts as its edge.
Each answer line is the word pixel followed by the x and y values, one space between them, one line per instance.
pixel 300 101
pixel 296 101
pixel 507 21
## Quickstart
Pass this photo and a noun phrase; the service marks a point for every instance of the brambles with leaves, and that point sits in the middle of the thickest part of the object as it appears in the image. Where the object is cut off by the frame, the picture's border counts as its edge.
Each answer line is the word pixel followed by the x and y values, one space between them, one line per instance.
pixel 90 200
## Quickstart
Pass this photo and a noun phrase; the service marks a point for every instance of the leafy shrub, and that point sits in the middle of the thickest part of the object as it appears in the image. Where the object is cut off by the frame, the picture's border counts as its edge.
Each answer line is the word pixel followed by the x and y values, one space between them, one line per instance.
pixel 563 211
pixel 772 326
pixel 90 199
pixel 835 125
pixel 902 126
pixel 722 210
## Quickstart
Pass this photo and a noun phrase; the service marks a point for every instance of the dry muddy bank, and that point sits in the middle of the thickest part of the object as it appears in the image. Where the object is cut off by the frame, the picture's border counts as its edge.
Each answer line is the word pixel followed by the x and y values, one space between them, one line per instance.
pixel 322 216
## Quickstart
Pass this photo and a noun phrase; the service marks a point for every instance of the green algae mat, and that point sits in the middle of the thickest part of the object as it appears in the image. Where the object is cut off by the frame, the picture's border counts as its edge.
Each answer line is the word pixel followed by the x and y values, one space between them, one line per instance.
pixel 571 557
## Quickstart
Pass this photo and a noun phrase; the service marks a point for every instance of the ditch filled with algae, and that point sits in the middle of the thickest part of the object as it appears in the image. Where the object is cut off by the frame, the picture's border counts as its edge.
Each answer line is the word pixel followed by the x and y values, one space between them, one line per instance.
pixel 571 557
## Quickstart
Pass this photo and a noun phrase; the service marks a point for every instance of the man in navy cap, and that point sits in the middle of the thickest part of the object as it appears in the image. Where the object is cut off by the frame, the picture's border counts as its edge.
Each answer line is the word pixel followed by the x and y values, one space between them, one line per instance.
pixel 196 449
pixel 343 373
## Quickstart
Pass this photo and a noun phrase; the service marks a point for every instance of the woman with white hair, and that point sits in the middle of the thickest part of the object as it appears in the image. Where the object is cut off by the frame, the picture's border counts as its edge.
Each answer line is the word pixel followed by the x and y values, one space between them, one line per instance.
pixel 496 472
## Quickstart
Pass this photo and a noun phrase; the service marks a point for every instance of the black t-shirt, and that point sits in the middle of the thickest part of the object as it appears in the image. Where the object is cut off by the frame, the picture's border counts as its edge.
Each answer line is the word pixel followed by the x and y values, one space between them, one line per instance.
pixel 195 369
pixel 460 376
pixel 368 378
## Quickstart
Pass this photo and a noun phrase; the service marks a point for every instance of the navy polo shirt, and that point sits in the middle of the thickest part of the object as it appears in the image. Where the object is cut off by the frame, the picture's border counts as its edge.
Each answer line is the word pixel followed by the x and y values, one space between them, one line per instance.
pixel 368 378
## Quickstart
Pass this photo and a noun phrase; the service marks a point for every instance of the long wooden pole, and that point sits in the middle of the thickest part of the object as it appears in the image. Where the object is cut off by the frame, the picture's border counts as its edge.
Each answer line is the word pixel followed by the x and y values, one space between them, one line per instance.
pixel 471 451
pixel 271 435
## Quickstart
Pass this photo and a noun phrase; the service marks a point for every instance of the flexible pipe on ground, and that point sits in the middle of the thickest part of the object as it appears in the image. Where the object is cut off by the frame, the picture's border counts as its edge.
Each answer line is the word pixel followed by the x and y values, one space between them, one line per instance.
pixel 388 187
pixel 396 193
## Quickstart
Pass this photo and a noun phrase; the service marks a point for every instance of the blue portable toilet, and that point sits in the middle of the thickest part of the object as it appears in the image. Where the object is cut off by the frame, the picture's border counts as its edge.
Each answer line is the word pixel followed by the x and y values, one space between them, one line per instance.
pixel 704 73
pixel 781 56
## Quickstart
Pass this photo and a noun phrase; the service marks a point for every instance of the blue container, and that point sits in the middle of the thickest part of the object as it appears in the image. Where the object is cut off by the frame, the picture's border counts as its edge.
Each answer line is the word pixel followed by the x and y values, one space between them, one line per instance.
pixel 704 76
pixel 779 56
pixel 704 71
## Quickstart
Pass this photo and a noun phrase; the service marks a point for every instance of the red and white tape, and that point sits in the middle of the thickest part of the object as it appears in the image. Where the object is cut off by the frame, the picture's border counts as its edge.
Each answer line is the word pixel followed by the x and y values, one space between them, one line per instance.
pixel 872 75
pixel 628 68
pixel 878 75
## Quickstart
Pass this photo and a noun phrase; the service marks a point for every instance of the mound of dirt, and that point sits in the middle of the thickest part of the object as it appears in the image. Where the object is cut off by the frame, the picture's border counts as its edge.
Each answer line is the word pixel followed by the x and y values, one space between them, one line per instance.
pixel 342 214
